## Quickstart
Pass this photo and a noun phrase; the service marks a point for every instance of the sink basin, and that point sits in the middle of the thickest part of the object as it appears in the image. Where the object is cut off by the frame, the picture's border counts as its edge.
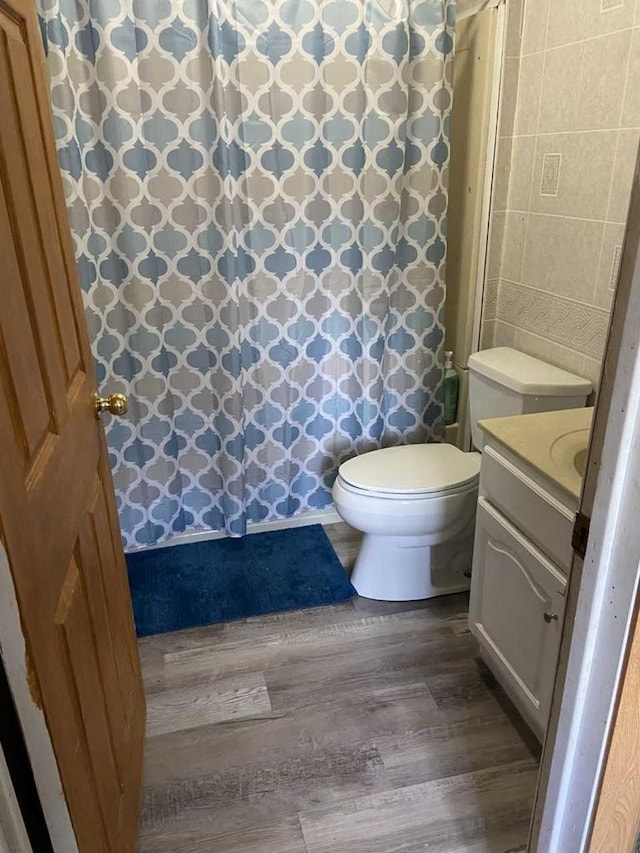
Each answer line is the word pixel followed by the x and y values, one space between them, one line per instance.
pixel 569 452
pixel 580 461
pixel 553 443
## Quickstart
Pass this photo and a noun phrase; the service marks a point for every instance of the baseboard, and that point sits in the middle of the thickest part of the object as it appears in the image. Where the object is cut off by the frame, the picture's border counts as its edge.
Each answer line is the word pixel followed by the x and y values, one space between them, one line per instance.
pixel 317 516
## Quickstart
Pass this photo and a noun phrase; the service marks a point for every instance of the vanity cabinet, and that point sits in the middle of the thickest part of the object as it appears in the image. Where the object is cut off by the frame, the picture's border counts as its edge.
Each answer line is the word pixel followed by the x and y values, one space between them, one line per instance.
pixel 522 555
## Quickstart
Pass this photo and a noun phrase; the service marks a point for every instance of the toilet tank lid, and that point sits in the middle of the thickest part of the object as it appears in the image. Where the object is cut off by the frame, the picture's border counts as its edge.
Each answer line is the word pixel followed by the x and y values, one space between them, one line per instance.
pixel 527 375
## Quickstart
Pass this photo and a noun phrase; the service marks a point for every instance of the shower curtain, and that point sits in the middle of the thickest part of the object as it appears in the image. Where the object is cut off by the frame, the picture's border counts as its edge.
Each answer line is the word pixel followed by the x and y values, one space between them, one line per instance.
pixel 257 192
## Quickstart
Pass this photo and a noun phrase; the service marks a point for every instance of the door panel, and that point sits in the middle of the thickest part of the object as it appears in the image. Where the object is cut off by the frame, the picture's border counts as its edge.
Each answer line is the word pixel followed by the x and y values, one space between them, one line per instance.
pixel 513 587
pixel 58 520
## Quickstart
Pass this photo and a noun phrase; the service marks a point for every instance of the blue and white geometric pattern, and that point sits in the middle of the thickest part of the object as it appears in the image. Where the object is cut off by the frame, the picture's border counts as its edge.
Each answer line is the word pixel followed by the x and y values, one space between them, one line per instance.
pixel 257 191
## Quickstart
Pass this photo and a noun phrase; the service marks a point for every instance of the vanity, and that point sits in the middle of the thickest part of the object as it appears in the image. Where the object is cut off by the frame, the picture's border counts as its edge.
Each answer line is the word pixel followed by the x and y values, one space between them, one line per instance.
pixel 530 483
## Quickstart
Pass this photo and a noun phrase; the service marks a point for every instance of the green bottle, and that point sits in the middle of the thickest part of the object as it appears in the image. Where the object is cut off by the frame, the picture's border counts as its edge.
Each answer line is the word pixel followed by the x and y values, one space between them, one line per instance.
pixel 450 390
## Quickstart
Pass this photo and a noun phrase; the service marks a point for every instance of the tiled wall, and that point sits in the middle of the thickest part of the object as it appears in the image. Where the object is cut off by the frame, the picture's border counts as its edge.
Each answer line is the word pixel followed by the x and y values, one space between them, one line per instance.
pixel 569 132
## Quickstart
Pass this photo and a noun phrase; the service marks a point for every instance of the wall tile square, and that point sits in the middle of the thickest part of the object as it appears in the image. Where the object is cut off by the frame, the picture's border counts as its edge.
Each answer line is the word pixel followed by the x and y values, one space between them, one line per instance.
pixel 609 267
pixel 585 175
pixel 529 81
pixel 620 193
pixel 591 370
pixel 509 96
pixel 515 10
pixel 502 172
pixel 490 301
pixel 521 171
pixel 543 349
pixel 616 16
pixel 503 335
pixel 515 229
pixel 631 107
pixel 496 241
pixel 534 34
pixel 486 334
pixel 559 101
pixel 561 256
pixel 568 22
pixel 604 69
pixel 574 20
pixel 495 333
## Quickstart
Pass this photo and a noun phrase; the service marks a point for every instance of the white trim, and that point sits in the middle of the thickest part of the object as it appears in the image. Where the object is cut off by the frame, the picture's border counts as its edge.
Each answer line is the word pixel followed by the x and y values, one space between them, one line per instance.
pixel 13 835
pixel 487 192
pixel 34 727
pixel 314 516
pixel 489 172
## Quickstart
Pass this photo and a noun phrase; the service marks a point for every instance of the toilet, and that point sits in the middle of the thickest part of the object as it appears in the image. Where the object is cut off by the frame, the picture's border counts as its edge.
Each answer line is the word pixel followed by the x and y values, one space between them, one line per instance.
pixel 416 503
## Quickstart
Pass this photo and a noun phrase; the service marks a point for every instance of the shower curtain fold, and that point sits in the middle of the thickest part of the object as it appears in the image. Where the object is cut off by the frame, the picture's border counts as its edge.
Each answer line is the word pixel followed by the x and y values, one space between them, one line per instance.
pixel 257 193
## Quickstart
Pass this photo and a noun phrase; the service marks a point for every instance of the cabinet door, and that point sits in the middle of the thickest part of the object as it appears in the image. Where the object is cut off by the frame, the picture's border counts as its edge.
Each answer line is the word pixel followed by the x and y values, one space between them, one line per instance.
pixel 516 612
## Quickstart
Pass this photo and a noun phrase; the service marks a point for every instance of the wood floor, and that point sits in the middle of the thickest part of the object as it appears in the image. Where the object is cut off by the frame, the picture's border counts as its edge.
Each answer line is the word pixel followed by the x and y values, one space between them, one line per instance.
pixel 364 727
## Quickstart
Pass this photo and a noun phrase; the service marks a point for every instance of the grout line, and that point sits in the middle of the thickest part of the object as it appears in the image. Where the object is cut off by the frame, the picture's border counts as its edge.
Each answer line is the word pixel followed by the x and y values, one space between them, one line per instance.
pixel 597 279
pixel 561 216
pixel 572 132
pixel 633 26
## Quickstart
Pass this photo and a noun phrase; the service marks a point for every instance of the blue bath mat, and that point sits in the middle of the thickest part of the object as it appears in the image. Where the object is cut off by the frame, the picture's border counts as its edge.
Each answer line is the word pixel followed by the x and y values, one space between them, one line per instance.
pixel 224 579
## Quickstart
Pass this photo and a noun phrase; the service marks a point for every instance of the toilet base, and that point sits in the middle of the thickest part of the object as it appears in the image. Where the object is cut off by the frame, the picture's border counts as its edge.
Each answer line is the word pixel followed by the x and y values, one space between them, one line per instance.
pixel 407 568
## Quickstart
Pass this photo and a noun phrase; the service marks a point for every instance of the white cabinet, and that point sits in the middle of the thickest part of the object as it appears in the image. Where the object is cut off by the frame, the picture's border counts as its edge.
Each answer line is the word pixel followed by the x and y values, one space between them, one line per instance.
pixel 516 612
pixel 521 558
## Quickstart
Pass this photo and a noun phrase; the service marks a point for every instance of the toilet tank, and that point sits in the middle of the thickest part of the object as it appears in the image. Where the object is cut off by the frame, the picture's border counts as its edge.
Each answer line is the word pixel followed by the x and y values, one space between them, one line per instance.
pixel 504 381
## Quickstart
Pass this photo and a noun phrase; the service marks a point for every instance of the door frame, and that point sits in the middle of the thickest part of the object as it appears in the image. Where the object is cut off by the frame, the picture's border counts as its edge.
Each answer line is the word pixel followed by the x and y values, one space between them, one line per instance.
pixel 34 727
pixel 13 834
pixel 603 594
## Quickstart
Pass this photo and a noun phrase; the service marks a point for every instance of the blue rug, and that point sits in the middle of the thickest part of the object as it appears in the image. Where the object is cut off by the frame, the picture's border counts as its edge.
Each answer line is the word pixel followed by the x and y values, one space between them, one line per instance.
pixel 224 579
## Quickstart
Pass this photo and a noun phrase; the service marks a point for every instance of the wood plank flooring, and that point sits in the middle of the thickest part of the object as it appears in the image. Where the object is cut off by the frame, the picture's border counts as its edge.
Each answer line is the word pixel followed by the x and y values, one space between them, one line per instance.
pixel 366 727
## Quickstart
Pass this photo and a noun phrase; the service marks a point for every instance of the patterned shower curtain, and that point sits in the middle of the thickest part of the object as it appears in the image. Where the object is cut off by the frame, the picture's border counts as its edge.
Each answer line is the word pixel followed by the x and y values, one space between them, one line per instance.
pixel 257 192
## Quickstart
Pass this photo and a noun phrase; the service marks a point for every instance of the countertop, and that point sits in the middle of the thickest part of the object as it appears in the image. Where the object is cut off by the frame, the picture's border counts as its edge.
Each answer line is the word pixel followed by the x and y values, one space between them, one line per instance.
pixel 548 441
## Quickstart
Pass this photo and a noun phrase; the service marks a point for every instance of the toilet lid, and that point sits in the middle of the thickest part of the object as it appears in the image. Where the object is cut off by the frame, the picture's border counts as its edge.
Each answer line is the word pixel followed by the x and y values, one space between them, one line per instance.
pixel 412 469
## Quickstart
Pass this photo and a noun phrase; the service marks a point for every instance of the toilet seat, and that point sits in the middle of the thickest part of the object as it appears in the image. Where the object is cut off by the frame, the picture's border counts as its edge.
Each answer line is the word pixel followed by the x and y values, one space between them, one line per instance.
pixel 411 471
pixel 398 497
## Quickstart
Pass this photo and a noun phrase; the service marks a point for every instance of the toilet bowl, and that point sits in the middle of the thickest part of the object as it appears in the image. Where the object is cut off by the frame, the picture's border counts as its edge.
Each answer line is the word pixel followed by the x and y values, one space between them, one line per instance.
pixel 416 506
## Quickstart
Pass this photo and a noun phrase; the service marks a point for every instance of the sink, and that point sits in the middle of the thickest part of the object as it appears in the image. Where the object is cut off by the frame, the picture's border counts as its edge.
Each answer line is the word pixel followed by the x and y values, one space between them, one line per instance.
pixel 580 461
pixel 555 444
pixel 569 452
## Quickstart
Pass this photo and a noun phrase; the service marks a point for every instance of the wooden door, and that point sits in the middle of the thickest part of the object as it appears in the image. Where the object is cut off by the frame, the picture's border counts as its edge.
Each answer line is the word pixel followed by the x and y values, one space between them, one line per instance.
pixel 516 612
pixel 617 816
pixel 58 519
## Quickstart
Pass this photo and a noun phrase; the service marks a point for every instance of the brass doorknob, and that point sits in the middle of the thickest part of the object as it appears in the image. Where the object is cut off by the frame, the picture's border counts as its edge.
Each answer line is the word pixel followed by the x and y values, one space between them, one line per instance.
pixel 117 404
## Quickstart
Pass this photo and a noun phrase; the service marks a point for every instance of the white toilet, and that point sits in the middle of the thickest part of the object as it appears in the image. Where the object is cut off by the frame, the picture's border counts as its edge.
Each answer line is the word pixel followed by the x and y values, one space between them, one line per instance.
pixel 416 504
